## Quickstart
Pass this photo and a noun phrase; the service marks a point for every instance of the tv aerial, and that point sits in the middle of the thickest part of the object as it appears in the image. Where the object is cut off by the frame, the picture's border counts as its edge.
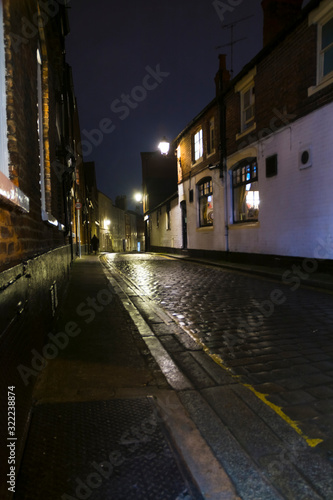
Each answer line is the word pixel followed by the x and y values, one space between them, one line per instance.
pixel 232 41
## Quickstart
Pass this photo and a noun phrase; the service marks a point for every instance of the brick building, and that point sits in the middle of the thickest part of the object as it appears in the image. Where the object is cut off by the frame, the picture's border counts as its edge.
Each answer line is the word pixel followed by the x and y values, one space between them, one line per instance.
pixel 119 230
pixel 41 180
pixel 254 167
pixel 279 114
pixel 159 178
pixel 90 208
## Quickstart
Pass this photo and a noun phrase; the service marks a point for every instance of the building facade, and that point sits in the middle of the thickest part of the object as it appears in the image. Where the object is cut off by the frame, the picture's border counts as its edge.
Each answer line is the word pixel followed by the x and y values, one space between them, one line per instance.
pixel 254 167
pixel 119 230
pixel 41 182
pixel 279 113
pixel 164 225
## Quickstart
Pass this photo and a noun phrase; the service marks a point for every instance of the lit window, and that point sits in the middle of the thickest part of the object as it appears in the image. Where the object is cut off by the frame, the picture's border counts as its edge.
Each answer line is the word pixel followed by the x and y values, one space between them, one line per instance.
pixel 198 145
pixel 3 115
pixel 326 49
pixel 245 191
pixel 205 192
pixel 40 130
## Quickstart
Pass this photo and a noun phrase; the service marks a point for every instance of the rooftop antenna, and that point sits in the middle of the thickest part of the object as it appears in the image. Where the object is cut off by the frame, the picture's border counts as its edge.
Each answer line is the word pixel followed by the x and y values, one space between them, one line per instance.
pixel 232 41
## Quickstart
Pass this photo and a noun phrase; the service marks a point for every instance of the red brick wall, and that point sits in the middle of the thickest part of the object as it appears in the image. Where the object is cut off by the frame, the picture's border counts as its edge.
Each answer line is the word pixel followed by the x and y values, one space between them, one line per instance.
pixel 23 235
pixel 283 77
pixel 185 142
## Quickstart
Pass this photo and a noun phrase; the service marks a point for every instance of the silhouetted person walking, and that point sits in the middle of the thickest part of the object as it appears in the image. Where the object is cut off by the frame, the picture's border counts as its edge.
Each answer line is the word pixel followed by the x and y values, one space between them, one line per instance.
pixel 95 243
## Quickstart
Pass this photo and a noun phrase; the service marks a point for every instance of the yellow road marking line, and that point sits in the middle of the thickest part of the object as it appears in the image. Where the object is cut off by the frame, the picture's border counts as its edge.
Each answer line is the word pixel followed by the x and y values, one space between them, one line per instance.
pixel 278 410
pixel 263 397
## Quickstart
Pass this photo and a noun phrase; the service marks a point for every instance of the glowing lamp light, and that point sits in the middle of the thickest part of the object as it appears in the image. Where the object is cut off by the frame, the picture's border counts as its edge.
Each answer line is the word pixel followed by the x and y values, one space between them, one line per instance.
pixel 138 197
pixel 107 223
pixel 164 146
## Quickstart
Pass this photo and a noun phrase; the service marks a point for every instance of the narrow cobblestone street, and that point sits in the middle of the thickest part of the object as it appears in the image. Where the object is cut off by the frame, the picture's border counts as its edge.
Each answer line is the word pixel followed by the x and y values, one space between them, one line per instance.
pixel 277 336
pixel 246 415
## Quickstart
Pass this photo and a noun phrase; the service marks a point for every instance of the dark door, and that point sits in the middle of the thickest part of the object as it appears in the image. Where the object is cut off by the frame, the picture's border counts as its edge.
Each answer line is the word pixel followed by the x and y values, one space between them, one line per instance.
pixel 147 235
pixel 184 223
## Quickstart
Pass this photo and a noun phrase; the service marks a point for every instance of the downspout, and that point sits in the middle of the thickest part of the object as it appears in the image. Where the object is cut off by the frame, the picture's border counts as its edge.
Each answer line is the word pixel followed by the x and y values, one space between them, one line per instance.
pixel 224 170
pixel 222 81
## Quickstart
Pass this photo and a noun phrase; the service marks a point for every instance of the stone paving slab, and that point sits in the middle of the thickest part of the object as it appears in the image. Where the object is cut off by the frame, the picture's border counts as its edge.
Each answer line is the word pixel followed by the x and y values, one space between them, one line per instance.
pixel 251 484
pixel 251 432
pixel 101 449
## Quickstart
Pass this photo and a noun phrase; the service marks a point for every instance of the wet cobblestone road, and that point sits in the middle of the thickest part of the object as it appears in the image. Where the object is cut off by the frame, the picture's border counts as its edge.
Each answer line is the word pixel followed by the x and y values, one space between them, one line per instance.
pixel 277 336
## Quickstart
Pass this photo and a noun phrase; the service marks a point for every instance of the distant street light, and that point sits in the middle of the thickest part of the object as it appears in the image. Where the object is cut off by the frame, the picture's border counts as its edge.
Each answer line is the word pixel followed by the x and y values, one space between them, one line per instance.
pixel 164 146
pixel 138 197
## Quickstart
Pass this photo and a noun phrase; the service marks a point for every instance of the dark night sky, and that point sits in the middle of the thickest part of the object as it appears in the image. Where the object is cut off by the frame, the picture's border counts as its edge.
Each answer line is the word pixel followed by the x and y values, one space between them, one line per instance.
pixel 111 44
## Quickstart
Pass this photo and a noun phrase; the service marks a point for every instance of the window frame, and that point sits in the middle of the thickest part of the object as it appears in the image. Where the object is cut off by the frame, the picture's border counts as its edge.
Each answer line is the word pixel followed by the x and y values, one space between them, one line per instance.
pixel 197 151
pixel 247 123
pixel 239 179
pixel 204 190
pixel 321 52
pixel 319 17
pixel 40 126
pixel 4 154
pixel 242 87
pixel 9 192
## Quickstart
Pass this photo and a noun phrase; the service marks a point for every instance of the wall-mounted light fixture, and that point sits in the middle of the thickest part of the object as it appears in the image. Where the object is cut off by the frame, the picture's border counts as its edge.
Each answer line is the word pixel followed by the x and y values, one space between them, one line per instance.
pixel 138 197
pixel 164 146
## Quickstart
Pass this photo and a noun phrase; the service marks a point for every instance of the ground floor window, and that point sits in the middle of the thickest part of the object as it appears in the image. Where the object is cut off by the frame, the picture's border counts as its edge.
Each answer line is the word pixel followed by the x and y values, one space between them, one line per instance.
pixel 245 190
pixel 168 220
pixel 205 191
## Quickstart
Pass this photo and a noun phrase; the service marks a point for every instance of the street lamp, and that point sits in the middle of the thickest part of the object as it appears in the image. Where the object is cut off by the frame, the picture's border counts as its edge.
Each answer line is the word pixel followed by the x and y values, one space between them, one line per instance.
pixel 164 146
pixel 138 197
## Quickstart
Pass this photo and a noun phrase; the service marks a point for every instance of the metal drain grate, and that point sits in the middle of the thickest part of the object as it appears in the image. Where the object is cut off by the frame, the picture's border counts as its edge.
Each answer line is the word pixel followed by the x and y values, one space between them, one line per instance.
pixel 101 450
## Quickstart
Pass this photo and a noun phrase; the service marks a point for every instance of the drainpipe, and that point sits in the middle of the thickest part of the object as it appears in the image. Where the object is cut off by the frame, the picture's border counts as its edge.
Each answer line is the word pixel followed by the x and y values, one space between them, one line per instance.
pixel 222 81
pixel 224 170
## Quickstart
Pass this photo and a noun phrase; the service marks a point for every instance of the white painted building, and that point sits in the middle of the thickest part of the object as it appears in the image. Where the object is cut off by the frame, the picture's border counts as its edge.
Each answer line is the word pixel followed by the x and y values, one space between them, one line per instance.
pixel 255 167
pixel 164 225
pixel 296 203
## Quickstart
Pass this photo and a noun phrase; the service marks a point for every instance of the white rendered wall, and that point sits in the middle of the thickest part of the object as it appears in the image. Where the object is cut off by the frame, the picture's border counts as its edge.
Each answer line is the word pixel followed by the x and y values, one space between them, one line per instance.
pixel 211 237
pixel 296 205
pixel 160 236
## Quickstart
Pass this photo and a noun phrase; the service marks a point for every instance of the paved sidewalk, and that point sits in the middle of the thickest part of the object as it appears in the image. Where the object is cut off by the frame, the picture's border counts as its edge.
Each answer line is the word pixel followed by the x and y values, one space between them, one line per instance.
pixel 106 424
pixel 304 273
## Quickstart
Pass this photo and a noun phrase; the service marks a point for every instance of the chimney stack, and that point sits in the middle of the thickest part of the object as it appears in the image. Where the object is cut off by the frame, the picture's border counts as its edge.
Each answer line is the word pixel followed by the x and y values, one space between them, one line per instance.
pixel 222 77
pixel 278 14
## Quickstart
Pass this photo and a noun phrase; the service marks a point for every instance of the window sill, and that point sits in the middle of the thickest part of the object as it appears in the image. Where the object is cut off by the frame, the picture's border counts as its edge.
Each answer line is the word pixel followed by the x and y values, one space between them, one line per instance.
pixel 211 153
pixel 205 228
pixel 247 131
pixel 46 217
pixel 324 83
pixel 241 225
pixel 13 195
pixel 197 162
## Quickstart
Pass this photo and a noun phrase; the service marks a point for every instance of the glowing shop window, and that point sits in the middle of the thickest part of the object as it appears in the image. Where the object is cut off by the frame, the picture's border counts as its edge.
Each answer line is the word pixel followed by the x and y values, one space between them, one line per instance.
pixel 245 189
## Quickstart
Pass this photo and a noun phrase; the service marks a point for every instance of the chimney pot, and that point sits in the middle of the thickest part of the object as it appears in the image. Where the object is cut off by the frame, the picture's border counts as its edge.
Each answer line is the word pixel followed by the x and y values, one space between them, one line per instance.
pixel 278 14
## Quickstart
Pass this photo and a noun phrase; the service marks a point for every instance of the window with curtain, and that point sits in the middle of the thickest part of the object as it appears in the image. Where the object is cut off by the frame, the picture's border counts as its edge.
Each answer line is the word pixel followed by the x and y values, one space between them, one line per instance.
pixel 245 191
pixel 205 201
